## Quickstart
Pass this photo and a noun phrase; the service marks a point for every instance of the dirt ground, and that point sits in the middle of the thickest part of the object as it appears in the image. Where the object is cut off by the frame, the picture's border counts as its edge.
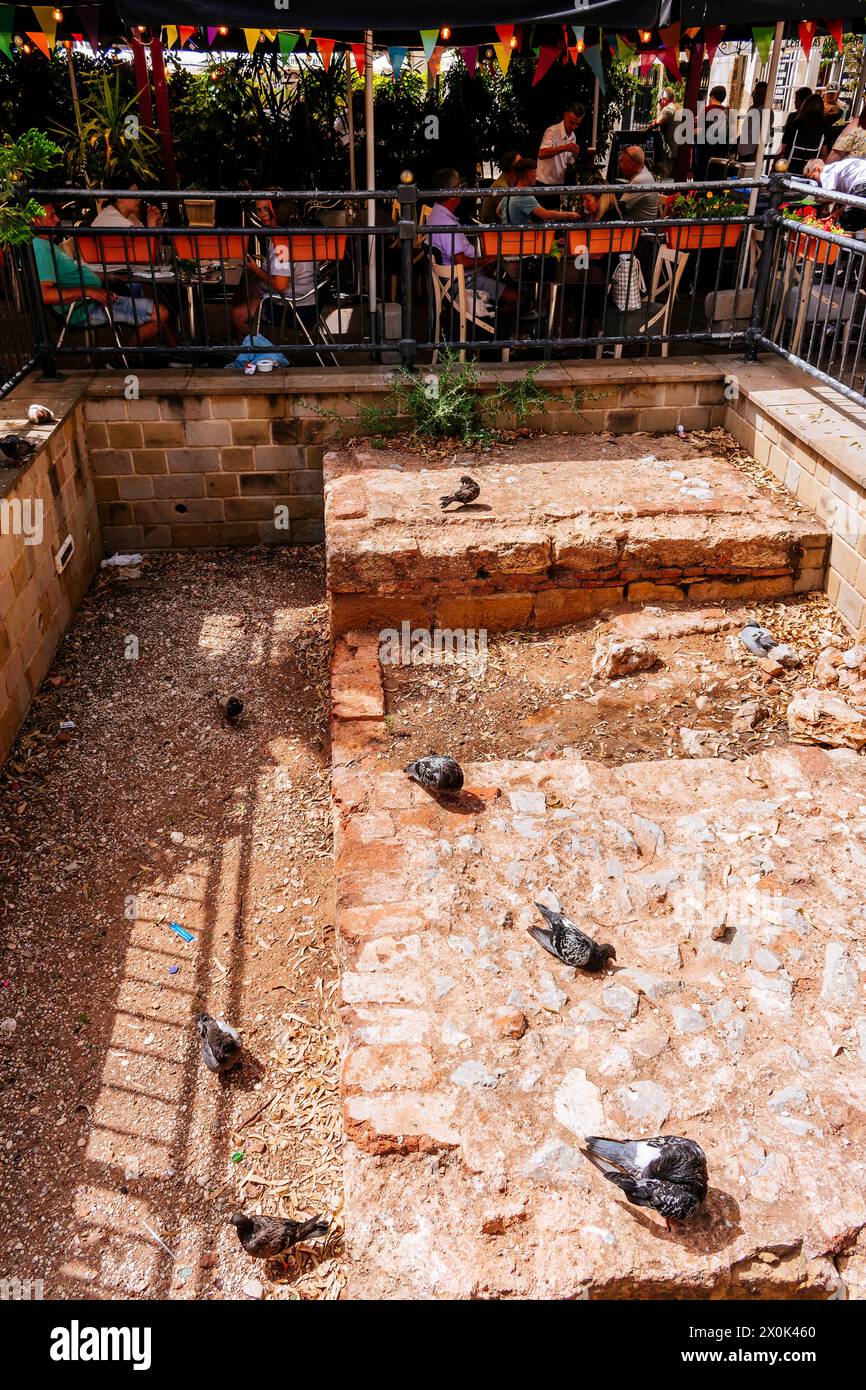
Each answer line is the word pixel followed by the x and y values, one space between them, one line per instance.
pixel 534 696
pixel 153 810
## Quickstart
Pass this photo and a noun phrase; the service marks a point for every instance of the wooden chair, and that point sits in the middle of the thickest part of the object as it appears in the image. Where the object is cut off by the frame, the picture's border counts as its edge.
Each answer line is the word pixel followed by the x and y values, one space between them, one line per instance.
pixel 667 273
pixel 450 294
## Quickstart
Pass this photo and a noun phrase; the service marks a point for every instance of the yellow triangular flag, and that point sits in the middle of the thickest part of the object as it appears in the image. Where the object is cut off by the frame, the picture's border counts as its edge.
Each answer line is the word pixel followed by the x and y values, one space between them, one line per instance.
pixel 308 34
pixel 170 35
pixel 47 23
pixel 252 38
pixel 503 53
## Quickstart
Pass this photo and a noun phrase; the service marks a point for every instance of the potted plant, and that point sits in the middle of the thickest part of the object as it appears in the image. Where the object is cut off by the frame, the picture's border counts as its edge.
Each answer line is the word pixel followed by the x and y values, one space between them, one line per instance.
pixel 709 234
pixel 31 153
pixel 808 248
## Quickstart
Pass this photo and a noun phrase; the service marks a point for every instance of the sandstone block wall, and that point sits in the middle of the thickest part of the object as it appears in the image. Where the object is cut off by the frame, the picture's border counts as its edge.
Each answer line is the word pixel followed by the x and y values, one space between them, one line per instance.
pixel 37 602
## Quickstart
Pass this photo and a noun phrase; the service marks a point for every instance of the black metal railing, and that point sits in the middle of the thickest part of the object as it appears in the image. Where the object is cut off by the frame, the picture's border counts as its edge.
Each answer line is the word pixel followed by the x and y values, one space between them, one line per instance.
pixel 397 275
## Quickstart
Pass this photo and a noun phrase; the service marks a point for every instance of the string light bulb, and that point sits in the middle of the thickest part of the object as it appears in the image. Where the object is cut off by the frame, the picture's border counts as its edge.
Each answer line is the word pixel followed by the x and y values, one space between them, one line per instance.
pixel 223 31
pixel 580 45
pixel 445 33
pixel 25 48
pixel 645 35
pixel 58 15
pixel 512 42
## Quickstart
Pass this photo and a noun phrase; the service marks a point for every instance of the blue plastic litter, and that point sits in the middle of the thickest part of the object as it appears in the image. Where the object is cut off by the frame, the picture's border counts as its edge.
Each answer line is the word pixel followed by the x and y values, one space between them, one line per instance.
pixel 258 340
pixel 173 969
pixel 180 931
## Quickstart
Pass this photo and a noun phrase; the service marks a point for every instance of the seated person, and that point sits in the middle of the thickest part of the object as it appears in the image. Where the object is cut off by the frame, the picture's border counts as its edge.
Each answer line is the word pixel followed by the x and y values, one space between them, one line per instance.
pixel 640 201
pixel 833 110
pixel 65 281
pixel 125 211
pixel 523 208
pixel 852 141
pixel 505 179
pixel 805 137
pixel 451 246
pixel 601 207
pixel 274 275
pixel 842 176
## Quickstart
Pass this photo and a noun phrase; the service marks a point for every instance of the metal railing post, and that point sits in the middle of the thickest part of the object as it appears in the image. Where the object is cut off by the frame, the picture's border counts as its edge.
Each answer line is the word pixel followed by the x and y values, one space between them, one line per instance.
pixel 765 266
pixel 407 196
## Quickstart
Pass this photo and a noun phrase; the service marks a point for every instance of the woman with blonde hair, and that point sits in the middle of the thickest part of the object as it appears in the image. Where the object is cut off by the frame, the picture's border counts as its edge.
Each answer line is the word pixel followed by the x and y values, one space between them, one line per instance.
pixel 601 207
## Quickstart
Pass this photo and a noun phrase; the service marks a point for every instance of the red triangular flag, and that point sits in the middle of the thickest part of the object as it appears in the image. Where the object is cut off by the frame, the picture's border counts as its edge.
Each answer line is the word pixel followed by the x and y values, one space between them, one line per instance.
pixel 670 57
pixel 470 58
pixel 359 53
pixel 547 56
pixel 646 63
pixel 40 41
pixel 834 29
pixel 506 34
pixel 186 32
pixel 326 48
pixel 712 39
pixel 806 33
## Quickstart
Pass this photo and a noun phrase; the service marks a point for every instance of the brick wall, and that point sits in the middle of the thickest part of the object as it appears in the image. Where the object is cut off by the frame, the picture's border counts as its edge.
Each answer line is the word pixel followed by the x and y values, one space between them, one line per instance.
pixel 813 442
pixel 37 602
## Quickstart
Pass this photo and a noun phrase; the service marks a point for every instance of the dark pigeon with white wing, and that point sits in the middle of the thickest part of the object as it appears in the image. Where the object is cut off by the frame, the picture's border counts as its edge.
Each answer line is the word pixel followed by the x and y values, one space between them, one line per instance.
pixel 667 1173
pixel 563 939
pixel 436 774
pixel 220 1043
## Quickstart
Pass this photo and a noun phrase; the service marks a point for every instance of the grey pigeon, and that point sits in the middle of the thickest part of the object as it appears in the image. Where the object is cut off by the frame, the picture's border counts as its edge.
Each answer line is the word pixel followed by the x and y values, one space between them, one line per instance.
pixel 757 639
pixel 466 493
pixel 220 1043
pixel 16 448
pixel 40 414
pixel 568 943
pixel 667 1173
pixel 267 1237
pixel 436 774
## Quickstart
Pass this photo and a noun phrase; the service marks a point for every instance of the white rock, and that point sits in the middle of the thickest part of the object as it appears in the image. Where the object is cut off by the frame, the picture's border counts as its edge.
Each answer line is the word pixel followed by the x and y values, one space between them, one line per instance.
pixel 644 1104
pixel 841 982
pixel 577 1104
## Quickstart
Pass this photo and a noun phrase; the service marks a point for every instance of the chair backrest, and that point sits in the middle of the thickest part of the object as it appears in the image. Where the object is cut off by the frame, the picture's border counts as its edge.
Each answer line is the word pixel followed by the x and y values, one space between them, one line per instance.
pixel 667 273
pixel 200 212
pixel 116 249
pixel 210 246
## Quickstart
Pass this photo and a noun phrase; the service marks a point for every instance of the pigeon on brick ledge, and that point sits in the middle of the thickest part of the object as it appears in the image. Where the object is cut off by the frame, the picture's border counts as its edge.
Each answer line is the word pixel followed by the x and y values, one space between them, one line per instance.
pixel 668 1174
pixel 563 939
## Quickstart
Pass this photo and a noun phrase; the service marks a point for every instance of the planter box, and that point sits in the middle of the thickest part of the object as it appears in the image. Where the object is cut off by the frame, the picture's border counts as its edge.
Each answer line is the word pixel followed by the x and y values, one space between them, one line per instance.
pixel 517 241
pixel 806 248
pixel 210 246
pixel 603 241
pixel 708 236
pixel 320 246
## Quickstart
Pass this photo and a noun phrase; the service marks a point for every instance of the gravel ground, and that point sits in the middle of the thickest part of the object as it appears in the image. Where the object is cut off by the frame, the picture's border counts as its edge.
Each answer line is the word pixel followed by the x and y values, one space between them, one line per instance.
pixel 154 810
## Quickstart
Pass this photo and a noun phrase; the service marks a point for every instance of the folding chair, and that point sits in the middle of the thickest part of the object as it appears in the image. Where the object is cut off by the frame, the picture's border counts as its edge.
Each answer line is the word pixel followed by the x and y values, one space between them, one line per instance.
pixel 667 273
pixel 449 292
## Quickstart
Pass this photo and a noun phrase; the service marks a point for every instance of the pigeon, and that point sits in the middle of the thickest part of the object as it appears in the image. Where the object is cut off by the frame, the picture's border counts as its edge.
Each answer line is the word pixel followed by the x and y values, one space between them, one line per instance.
pixel 14 447
pixel 436 774
pixel 40 415
pixel 568 943
pixel 220 1043
pixel 466 493
pixel 232 708
pixel 267 1237
pixel 757 639
pixel 667 1173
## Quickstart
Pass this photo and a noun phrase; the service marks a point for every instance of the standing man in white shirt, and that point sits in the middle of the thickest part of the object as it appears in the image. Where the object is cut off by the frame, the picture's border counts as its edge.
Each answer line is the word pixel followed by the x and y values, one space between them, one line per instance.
pixel 559 148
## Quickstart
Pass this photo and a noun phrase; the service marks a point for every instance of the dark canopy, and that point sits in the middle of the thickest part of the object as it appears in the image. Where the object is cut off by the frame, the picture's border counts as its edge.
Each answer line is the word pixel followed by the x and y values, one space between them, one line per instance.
pixel 393 16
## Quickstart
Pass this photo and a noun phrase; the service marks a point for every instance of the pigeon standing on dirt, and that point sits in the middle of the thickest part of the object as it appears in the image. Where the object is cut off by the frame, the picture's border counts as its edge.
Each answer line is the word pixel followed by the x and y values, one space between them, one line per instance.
pixel 220 1043
pixel 16 448
pixel 267 1237
pixel 466 493
pixel 568 943
pixel 668 1174
pixel 757 639
pixel 232 708
pixel 436 774
pixel 40 414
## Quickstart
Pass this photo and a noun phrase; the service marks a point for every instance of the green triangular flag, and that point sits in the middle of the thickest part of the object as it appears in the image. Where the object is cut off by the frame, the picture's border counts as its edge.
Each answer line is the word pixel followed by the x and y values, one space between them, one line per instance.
pixel 429 38
pixel 763 37
pixel 625 51
pixel 7 24
pixel 288 43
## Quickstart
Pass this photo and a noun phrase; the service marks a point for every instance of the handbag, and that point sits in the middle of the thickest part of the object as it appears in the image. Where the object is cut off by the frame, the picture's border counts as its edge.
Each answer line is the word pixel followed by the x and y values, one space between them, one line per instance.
pixel 627 284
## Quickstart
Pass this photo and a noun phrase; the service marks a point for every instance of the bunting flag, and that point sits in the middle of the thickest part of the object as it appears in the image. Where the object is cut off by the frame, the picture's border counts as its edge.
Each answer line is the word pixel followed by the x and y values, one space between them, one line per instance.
pixel 503 53
pixel 308 34
pixel 434 61
pixel 7 24
pixel 547 56
pixel 712 39
pixel 505 33
pixel 89 16
pixel 646 63
pixel 573 54
pixel 670 36
pixel 593 58
pixel 428 39
pixel 578 31
pixel 693 32
pixel 763 38
pixel 186 32
pixel 833 27
pixel 806 33
pixel 625 51
pixel 326 49
pixel 38 38
pixel 252 37
pixel 470 58
pixel 398 57
pixel 288 43
pixel 47 23
pixel 170 35
pixel 359 53
pixel 211 35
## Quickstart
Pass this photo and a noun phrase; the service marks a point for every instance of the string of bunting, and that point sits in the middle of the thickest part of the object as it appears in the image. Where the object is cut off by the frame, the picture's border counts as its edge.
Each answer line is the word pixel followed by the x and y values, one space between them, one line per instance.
pixel 646 47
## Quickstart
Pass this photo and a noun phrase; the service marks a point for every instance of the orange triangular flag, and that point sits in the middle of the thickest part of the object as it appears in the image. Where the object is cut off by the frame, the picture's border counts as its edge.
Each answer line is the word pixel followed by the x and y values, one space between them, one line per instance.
pixel 40 41
pixel 434 60
pixel 359 53
pixel 805 33
pixel 186 32
pixel 503 53
pixel 47 23
pixel 252 37
pixel 326 48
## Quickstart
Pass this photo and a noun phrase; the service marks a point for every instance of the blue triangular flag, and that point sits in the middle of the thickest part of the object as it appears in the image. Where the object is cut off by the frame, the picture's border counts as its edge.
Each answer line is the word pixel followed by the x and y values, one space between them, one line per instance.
pixel 593 58
pixel 398 58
